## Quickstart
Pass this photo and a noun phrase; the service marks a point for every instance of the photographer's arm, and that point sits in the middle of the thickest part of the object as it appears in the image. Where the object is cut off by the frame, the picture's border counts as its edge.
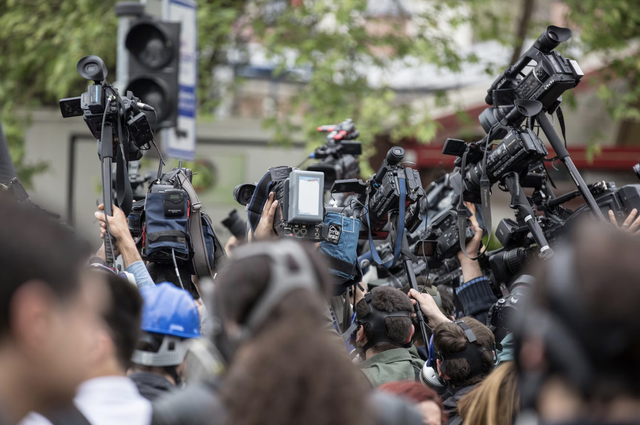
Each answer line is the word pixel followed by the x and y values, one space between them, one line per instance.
pixel 475 295
pixel 119 229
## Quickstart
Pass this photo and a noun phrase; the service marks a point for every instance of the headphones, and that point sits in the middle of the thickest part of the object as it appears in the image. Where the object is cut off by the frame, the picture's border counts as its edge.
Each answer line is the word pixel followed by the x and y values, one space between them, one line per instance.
pixel 472 353
pixel 377 319
pixel 285 278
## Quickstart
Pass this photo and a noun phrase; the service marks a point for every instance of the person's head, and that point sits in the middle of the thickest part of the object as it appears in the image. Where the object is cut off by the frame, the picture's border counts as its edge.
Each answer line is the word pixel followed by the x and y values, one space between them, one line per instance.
pixel 50 307
pixel 450 340
pixel 249 277
pixel 170 322
pixel 121 329
pixel 286 366
pixel 165 272
pixel 578 342
pixel 446 298
pixel 427 401
pixel 496 401
pixel 393 332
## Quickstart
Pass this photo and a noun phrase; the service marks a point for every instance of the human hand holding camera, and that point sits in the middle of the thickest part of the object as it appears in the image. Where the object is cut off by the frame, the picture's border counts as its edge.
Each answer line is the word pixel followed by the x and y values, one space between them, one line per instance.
pixel 119 229
pixel 471 268
pixel 264 230
pixel 429 308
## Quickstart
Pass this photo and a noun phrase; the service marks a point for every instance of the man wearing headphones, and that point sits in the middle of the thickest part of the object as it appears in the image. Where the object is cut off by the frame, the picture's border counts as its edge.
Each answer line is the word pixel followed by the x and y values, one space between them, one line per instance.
pixel 384 336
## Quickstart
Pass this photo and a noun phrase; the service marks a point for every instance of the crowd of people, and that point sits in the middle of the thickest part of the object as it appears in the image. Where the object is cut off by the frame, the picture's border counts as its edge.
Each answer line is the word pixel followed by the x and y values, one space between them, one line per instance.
pixel 81 343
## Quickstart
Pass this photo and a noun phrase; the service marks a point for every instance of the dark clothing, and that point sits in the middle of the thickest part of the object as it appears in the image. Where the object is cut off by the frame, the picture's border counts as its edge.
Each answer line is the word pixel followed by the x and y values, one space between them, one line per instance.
pixel 197 404
pixel 398 364
pixel 200 404
pixel 451 403
pixel 151 385
pixel 476 298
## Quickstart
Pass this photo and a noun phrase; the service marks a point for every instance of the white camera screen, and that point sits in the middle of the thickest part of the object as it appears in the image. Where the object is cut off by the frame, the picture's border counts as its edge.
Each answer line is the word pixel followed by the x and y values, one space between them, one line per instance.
pixel 309 196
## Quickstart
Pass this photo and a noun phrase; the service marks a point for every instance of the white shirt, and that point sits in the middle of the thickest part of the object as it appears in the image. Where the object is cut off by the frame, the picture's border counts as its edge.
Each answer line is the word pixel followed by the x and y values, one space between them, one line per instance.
pixel 108 400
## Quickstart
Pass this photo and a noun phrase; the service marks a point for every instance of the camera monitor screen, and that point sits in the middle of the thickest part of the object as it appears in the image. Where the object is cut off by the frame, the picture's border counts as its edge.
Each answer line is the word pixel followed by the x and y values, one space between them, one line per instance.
pixel 304 203
pixel 309 195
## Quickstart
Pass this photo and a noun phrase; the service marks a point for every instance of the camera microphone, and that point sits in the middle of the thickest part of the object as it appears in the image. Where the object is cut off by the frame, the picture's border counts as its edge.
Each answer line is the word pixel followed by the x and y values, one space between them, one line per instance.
pixel 144 106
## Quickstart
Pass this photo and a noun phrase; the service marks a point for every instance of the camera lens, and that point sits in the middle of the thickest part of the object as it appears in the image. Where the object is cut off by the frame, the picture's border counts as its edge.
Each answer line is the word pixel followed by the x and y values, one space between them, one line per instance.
pixel 243 193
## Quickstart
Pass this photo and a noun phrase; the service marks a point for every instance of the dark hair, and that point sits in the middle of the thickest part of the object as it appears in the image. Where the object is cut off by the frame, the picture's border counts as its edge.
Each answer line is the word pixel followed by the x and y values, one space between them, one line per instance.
pixel 447 305
pixel 36 247
pixel 416 393
pixel 449 338
pixel 388 299
pixel 600 311
pixel 164 272
pixel 301 374
pixel 123 317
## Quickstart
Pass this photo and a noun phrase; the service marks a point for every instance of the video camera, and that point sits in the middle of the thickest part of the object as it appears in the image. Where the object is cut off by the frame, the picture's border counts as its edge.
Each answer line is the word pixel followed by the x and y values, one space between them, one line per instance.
pixel 381 195
pixel 119 126
pixel 339 156
pixel 170 227
pixel 301 206
pixel 101 106
pixel 552 75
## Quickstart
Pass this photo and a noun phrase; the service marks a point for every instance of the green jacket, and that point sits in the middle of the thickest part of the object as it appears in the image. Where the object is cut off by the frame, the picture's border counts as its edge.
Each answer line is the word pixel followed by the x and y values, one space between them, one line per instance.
pixel 399 364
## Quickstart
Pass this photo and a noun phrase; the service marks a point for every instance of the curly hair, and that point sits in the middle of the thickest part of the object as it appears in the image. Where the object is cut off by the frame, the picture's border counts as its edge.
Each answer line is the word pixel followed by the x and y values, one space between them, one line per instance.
pixel 385 298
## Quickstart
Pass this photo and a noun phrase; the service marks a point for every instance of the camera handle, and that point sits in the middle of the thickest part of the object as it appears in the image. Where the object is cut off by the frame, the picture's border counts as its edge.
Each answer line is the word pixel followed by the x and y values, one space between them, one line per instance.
pixel 520 203
pixel 563 154
pixel 105 149
pixel 408 259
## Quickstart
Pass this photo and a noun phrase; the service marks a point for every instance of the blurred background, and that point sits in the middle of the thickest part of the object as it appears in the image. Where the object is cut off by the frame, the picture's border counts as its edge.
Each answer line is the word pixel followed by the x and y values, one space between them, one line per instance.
pixel 252 80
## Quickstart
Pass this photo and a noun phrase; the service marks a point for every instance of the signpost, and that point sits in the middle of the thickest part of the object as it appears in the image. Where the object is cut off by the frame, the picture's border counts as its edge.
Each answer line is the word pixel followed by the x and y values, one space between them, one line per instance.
pixel 180 142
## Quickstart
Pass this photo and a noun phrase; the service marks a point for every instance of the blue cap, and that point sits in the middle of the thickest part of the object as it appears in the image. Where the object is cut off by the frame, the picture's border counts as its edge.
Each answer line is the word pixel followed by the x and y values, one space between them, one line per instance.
pixel 169 310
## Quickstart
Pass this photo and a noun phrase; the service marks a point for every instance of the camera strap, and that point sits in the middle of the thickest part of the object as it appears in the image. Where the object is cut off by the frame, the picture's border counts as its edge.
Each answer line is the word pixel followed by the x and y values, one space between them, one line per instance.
pixel 399 228
pixel 124 194
pixel 200 258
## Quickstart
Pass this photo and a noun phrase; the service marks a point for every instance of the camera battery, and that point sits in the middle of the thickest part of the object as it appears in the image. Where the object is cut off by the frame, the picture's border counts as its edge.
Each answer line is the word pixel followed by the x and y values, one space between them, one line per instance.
pixel 174 203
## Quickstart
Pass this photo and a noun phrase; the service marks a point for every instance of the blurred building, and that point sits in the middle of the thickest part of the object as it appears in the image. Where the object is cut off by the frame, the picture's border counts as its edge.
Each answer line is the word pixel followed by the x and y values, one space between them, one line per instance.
pixel 234 148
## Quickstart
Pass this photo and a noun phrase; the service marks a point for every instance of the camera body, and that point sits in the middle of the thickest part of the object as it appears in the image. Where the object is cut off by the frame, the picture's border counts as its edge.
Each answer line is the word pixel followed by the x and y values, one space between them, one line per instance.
pixel 441 239
pixel 380 196
pixel 99 103
pixel 518 150
pixel 301 206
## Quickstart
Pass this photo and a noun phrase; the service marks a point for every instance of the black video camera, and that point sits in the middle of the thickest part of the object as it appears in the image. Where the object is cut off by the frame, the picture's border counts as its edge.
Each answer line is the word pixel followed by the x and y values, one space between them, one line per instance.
pixel 102 104
pixel 381 194
pixel 339 156
pixel 552 75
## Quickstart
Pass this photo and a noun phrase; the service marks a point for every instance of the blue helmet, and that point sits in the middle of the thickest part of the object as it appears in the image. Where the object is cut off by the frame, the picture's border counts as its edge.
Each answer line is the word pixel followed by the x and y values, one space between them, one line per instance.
pixel 169 310
pixel 170 320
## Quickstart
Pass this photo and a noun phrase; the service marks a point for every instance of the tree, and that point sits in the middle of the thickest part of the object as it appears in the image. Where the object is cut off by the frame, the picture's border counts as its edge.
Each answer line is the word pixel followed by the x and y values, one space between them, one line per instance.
pixel 40 44
pixel 611 28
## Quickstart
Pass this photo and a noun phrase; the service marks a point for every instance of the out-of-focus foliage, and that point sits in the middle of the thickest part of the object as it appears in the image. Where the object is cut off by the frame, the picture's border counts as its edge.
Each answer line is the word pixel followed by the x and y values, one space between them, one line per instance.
pixel 612 28
pixel 40 44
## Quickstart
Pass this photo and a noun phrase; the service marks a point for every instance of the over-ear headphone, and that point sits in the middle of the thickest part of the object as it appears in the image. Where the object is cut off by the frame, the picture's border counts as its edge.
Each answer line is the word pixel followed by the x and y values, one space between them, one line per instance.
pixel 284 278
pixel 472 353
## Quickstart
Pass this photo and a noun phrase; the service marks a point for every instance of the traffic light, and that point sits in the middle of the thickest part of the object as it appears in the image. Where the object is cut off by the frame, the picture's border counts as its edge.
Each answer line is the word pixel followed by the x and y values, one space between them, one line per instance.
pixel 154 55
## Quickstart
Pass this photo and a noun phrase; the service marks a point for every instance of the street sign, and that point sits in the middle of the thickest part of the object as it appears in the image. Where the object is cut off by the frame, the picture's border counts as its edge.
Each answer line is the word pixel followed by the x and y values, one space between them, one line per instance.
pixel 180 142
